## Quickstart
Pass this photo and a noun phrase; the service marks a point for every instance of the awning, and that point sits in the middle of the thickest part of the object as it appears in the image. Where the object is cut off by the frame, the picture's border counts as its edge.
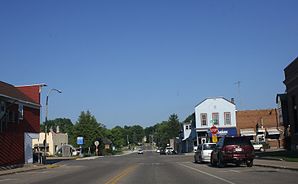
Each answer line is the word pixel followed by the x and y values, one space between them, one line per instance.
pixel 202 130
pixel 247 132
pixel 273 131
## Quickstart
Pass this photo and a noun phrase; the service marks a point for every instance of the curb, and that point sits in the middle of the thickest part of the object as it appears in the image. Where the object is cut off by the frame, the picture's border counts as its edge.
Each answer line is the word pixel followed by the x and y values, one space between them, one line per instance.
pixel 276 167
pixel 21 171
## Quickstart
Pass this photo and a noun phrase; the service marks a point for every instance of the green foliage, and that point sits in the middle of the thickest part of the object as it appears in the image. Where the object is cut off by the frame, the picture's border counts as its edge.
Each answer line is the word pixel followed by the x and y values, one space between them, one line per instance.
pixel 88 127
pixel 117 136
pixel 167 130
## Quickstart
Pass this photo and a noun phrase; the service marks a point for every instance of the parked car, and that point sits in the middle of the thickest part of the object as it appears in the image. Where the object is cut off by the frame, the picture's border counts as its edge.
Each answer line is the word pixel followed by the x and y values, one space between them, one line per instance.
pixel 203 152
pixel 258 146
pixel 140 151
pixel 236 150
pixel 169 150
pixel 162 151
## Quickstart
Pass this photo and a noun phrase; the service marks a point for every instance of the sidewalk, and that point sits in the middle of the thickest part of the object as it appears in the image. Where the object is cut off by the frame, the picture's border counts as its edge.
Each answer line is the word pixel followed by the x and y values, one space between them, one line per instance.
pixel 277 164
pixel 25 168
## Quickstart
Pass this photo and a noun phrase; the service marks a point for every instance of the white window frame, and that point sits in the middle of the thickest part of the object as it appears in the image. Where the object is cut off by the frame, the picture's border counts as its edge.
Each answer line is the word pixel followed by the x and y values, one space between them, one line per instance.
pixel 226 120
pixel 213 118
pixel 206 119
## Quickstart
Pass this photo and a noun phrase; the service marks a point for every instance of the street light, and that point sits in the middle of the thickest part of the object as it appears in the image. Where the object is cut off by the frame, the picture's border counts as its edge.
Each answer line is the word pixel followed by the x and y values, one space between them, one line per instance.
pixel 46 120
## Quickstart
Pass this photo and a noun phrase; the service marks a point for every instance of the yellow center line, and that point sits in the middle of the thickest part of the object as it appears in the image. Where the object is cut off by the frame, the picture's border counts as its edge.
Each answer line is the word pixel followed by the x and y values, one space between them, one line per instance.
pixel 124 173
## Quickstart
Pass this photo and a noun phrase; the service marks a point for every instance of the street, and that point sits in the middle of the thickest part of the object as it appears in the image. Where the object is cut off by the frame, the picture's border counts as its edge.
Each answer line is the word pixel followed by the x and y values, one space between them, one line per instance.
pixel 150 168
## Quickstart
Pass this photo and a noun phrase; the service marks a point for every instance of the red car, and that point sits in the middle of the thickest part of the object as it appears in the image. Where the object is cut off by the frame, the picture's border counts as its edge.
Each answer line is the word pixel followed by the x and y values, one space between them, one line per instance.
pixel 235 150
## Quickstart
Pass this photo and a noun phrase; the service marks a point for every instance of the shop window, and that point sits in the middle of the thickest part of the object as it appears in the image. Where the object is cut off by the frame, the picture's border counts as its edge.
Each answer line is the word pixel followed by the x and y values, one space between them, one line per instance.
pixel 203 119
pixel 227 118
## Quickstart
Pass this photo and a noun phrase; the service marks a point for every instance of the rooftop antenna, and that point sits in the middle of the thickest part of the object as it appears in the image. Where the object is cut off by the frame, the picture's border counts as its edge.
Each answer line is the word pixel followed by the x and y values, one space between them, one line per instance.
pixel 238 83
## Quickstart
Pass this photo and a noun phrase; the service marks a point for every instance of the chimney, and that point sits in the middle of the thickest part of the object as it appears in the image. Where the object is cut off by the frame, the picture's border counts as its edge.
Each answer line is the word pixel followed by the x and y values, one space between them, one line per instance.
pixel 233 100
pixel 57 129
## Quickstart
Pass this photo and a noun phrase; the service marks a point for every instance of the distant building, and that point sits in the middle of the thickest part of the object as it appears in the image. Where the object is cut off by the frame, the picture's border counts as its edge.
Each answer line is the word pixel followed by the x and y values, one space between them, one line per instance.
pixel 218 112
pixel 261 126
pixel 291 82
pixel 19 122
pixel 55 140
pixel 189 138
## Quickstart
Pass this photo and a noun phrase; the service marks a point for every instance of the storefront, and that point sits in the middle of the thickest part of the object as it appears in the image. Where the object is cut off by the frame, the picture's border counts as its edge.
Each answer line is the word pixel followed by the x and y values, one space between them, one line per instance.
pixel 205 136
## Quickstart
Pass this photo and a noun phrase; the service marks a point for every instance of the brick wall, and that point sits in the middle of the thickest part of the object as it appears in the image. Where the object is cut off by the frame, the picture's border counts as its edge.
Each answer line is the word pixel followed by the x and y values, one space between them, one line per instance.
pixel 249 118
pixel 11 148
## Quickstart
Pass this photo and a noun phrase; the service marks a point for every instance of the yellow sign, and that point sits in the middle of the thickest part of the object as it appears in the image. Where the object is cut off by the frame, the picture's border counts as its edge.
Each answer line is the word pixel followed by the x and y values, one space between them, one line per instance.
pixel 214 138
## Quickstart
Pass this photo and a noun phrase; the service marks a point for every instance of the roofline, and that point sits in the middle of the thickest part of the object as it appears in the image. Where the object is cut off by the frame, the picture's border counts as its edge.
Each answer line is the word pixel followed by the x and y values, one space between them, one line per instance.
pixel 214 98
pixel 41 85
pixel 22 101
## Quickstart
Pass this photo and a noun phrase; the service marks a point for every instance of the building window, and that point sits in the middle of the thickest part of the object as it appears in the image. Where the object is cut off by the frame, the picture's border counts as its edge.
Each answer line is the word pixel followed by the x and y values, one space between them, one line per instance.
pixel 186 127
pixel 203 119
pixel 21 112
pixel 189 126
pixel 215 118
pixel 227 118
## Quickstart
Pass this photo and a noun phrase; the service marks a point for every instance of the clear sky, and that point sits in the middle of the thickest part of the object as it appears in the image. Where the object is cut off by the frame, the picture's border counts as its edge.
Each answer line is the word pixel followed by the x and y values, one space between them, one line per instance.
pixel 137 62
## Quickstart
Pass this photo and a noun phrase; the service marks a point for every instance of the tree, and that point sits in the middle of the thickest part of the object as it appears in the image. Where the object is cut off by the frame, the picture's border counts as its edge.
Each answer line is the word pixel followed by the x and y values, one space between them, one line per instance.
pixel 174 126
pixel 88 127
pixel 117 136
pixel 167 130
pixel 149 132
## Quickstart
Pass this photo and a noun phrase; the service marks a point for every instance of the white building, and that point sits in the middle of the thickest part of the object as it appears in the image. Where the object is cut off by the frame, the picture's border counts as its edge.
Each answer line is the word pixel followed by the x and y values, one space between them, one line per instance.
pixel 218 112
pixel 54 142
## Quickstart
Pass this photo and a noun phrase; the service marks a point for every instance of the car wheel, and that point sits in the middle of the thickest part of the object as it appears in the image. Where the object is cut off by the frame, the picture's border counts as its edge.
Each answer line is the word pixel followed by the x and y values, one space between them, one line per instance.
pixel 238 164
pixel 212 162
pixel 220 162
pixel 249 163
pixel 200 160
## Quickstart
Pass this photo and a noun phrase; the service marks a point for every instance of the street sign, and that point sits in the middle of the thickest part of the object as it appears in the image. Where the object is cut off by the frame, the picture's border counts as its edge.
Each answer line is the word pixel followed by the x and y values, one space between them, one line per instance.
pixel 96 143
pixel 214 130
pixel 214 138
pixel 80 140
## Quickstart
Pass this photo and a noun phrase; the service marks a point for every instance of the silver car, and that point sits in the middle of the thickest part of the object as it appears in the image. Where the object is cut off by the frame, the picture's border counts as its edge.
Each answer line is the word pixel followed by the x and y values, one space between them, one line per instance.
pixel 203 152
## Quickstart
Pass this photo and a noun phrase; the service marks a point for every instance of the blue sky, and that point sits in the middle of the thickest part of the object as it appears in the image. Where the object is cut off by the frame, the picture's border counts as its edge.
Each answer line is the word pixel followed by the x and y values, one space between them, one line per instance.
pixel 137 62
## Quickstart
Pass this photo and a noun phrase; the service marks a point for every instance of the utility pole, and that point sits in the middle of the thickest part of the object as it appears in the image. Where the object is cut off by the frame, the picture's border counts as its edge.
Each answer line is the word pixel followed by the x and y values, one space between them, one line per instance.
pixel 45 124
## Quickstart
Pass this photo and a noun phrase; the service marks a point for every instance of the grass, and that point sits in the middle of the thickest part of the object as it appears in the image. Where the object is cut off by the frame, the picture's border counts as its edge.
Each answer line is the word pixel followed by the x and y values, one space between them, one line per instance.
pixel 290 156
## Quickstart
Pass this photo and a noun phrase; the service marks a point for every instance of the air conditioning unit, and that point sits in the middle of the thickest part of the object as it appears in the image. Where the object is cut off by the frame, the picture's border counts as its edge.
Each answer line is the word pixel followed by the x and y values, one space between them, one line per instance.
pixel 2 109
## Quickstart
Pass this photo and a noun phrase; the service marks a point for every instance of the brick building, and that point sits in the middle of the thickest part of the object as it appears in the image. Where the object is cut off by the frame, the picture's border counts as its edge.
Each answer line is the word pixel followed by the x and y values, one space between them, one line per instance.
pixel 19 122
pixel 261 126
pixel 291 82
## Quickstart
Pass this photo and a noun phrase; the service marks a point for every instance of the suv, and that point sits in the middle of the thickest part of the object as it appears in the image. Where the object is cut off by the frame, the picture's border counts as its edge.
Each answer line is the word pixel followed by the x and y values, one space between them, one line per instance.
pixel 233 150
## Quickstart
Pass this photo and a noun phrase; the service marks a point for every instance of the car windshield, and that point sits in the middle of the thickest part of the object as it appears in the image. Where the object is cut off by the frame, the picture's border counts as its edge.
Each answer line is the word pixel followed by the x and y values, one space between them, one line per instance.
pixel 209 146
pixel 236 141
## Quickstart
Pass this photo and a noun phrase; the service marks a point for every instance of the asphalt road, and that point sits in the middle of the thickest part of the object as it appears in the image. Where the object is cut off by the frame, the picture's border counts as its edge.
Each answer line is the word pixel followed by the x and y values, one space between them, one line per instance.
pixel 150 168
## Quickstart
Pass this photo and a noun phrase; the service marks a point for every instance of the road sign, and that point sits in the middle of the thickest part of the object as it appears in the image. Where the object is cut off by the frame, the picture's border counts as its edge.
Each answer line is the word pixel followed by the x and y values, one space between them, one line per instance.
pixel 96 143
pixel 214 130
pixel 80 140
pixel 214 138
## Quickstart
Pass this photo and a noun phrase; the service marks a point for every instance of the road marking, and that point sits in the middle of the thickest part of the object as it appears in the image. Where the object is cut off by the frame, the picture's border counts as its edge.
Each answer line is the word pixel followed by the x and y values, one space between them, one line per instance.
pixel 8 180
pixel 124 173
pixel 208 174
pixel 234 171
